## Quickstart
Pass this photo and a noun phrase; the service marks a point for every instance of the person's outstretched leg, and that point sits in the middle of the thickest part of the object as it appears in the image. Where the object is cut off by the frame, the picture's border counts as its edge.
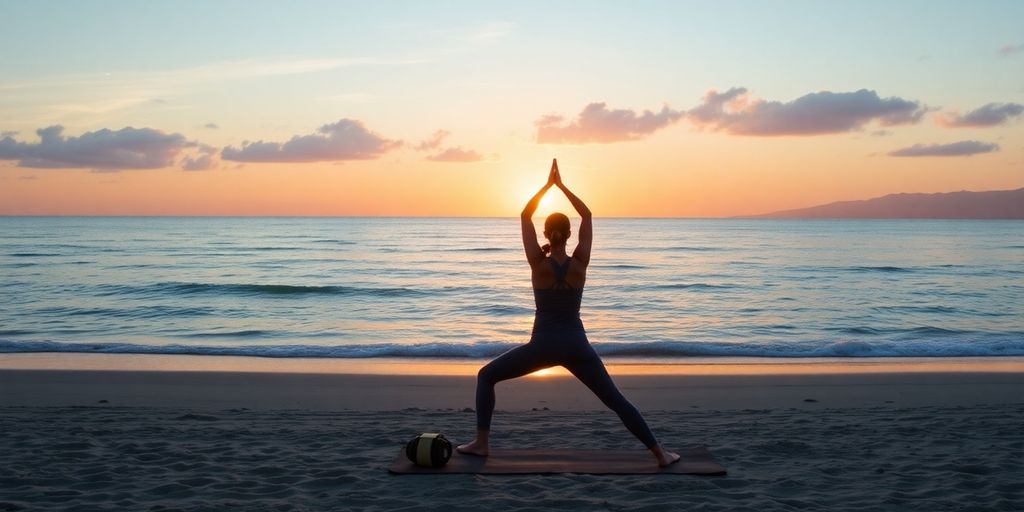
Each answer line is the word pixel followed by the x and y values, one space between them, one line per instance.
pixel 516 362
pixel 590 370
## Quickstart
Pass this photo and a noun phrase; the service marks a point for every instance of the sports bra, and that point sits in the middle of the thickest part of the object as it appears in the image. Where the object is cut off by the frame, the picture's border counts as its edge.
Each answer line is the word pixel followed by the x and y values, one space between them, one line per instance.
pixel 561 302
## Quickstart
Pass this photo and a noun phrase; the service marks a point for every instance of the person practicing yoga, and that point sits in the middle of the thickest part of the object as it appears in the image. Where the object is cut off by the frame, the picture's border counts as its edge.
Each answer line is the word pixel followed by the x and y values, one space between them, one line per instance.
pixel 558 335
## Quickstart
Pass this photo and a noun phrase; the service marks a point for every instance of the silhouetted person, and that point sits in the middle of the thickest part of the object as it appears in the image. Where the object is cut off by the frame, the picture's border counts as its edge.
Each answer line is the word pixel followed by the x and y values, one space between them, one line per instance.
pixel 558 335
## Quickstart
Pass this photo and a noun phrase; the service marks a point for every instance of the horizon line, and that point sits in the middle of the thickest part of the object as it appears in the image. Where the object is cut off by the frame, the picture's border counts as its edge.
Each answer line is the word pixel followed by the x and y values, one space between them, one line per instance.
pixel 758 217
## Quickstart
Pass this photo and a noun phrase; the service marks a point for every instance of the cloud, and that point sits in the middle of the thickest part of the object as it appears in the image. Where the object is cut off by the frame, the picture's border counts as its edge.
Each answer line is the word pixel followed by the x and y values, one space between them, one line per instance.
pixel 711 109
pixel 1011 49
pixel 992 114
pixel 101 150
pixel 962 148
pixel 598 124
pixel 212 126
pixel 816 113
pixel 205 159
pixel 456 154
pixel 434 141
pixel 5 134
pixel 346 139
pixel 452 154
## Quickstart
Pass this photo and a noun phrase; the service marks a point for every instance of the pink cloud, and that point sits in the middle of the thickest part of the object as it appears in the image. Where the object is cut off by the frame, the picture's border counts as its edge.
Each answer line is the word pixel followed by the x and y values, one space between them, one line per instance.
pixel 456 154
pixel 204 159
pixel 434 141
pixel 992 114
pixel 597 124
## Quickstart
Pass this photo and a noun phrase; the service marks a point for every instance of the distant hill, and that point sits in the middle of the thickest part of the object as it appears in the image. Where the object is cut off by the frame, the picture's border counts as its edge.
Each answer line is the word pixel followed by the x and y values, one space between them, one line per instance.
pixel 995 204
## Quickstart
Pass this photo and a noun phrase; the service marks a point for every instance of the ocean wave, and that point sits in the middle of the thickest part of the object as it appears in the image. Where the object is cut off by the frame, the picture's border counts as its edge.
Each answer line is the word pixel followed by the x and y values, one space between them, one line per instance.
pixel 503 310
pixel 883 268
pixel 14 332
pixel 917 309
pixel 34 254
pixel 670 248
pixel 689 248
pixel 142 312
pixel 943 310
pixel 469 249
pixel 334 242
pixel 856 268
pixel 62 246
pixel 252 289
pixel 247 333
pixel 689 286
pixel 912 332
pixel 990 346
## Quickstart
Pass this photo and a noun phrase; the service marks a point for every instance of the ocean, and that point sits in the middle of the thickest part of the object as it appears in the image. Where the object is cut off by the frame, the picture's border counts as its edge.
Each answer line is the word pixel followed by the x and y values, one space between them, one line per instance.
pixel 662 289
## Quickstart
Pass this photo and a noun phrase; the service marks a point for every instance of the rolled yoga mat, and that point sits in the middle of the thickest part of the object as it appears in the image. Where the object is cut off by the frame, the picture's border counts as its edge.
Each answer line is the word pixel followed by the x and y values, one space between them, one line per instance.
pixel 694 461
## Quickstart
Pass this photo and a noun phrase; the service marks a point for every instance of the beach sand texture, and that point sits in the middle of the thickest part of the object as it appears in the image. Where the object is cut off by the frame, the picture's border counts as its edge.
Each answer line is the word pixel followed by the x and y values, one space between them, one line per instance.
pixel 885 452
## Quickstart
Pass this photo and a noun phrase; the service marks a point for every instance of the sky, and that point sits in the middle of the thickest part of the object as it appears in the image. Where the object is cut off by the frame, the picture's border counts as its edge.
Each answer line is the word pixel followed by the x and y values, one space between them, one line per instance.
pixel 653 109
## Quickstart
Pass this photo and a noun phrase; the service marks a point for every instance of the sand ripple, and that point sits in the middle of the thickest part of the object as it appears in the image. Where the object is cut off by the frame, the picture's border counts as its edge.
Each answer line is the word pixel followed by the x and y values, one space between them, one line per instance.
pixel 162 459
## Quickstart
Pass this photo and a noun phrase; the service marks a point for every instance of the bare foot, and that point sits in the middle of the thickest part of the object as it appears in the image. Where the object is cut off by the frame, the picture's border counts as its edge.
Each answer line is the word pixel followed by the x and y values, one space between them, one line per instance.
pixel 666 457
pixel 473 448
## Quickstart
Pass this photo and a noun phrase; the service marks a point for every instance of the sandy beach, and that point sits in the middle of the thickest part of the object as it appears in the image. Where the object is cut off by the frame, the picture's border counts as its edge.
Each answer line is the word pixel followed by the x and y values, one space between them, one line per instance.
pixel 215 440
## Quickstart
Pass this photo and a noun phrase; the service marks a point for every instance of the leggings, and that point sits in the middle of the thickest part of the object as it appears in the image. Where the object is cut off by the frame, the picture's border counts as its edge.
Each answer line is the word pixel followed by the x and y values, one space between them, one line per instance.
pixel 575 354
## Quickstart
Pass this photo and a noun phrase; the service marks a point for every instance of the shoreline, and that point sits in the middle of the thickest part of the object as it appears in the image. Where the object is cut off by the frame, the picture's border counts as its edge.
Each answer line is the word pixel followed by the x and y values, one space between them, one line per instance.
pixel 211 390
pixel 468 367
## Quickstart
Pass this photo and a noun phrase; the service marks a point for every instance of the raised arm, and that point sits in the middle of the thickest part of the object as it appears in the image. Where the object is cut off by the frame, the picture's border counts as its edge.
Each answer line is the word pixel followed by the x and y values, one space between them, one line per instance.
pixel 533 252
pixel 586 234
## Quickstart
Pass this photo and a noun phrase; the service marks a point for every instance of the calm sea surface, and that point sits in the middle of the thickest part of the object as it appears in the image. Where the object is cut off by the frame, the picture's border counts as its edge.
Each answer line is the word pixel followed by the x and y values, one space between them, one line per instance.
pixel 439 287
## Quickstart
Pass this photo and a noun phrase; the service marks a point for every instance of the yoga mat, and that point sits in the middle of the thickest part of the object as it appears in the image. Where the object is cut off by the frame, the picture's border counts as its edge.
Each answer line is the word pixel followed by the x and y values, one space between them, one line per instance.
pixel 694 461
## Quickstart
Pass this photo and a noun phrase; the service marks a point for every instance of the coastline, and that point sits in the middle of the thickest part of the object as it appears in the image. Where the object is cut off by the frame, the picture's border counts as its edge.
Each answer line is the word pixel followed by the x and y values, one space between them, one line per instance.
pixel 262 383
pixel 466 366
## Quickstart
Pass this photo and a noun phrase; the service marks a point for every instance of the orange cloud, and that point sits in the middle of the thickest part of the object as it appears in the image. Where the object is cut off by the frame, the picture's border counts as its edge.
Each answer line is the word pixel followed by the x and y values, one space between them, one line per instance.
pixel 456 154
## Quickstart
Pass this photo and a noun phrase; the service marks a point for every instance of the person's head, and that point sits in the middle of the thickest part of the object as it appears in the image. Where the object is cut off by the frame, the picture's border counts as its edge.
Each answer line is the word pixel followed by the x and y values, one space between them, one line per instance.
pixel 556 230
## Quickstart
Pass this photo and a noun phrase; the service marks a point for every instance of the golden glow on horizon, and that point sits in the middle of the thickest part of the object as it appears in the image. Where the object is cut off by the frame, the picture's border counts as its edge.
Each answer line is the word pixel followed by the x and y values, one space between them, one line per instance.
pixel 548 372
pixel 468 369
pixel 653 178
